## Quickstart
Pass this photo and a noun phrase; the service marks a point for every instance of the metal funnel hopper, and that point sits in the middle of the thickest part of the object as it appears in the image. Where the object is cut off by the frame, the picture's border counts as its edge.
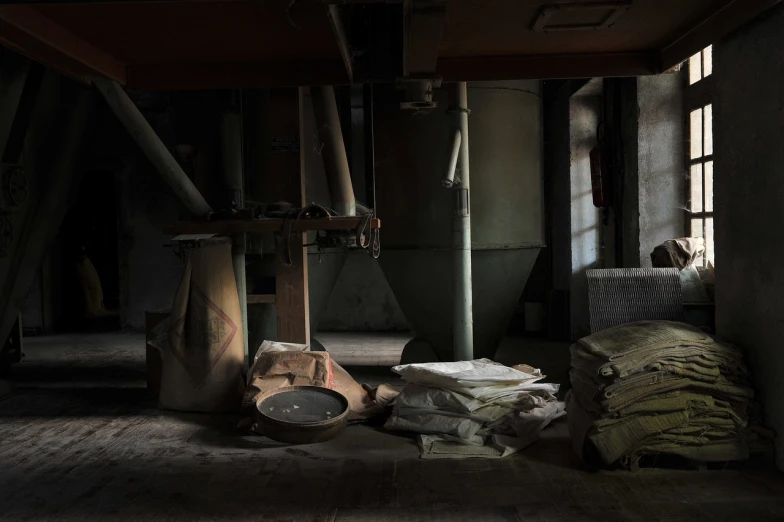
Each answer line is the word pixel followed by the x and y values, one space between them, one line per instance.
pixel 507 213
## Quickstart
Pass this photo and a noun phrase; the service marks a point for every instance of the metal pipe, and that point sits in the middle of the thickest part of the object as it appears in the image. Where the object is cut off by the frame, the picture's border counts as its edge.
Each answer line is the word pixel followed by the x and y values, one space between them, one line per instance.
pixel 463 312
pixel 231 152
pixel 449 177
pixel 370 146
pixel 152 146
pixel 333 152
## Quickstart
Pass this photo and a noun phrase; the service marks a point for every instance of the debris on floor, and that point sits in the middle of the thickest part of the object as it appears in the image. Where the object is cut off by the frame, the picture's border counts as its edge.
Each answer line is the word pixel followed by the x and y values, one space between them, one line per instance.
pixel 278 365
pixel 660 387
pixel 281 365
pixel 473 408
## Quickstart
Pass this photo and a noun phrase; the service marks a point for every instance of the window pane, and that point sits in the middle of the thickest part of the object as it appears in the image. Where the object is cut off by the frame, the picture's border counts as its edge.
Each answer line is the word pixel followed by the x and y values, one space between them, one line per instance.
pixel 695 136
pixel 708 129
pixel 697 231
pixel 696 188
pixel 707 61
pixel 709 245
pixel 695 68
pixel 709 186
pixel 696 228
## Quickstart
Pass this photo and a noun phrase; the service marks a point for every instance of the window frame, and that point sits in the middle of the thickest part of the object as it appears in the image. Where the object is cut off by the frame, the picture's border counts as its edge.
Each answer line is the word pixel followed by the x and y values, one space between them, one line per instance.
pixel 696 96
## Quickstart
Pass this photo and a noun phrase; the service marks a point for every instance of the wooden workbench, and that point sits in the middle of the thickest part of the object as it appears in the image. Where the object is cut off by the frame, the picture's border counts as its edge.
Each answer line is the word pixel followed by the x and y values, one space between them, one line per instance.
pixel 291 280
pixel 268 225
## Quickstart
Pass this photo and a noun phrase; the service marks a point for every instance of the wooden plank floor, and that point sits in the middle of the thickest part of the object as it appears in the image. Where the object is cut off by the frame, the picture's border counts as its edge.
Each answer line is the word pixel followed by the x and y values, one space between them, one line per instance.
pixel 79 439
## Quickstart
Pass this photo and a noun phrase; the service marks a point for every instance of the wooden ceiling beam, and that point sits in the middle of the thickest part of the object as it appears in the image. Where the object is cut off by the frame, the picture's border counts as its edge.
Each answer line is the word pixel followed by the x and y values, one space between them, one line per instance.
pixel 32 34
pixel 236 75
pixel 542 67
pixel 716 26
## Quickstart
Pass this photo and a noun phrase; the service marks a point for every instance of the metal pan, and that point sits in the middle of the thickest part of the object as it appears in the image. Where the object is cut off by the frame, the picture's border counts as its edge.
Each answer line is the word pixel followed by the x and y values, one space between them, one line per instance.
pixel 303 414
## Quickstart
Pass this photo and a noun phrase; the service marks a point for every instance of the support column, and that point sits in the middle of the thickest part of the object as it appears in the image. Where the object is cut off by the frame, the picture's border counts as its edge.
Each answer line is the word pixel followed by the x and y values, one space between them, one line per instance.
pixel 231 150
pixel 283 167
pixel 291 290
pixel 463 291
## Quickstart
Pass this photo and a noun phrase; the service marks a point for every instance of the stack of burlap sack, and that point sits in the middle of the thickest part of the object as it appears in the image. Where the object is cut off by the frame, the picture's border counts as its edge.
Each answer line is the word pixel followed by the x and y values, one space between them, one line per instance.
pixel 660 387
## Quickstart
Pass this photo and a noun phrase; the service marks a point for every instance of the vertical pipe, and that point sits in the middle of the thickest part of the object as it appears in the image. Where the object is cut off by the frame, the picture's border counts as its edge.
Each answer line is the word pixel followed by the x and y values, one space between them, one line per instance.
pixel 231 151
pixel 370 147
pixel 463 312
pixel 341 191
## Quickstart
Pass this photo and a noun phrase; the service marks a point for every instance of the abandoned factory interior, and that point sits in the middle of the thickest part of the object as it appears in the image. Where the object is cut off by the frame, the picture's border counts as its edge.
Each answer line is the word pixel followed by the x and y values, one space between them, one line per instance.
pixel 391 260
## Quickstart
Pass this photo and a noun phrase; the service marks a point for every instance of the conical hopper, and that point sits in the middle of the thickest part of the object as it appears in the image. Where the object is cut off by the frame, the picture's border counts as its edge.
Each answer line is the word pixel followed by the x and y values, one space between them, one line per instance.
pixel 507 215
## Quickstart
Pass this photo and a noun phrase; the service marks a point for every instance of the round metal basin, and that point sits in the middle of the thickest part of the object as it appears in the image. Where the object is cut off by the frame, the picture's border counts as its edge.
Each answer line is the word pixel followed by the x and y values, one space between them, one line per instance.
pixel 303 414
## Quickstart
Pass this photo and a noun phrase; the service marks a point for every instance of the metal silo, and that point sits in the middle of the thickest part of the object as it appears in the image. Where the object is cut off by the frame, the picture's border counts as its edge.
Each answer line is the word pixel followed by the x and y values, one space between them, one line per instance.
pixel 507 211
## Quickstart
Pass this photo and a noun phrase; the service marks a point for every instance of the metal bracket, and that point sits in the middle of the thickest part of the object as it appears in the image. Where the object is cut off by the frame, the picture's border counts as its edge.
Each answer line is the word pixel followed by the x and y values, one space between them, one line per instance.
pixel 418 92
pixel 462 202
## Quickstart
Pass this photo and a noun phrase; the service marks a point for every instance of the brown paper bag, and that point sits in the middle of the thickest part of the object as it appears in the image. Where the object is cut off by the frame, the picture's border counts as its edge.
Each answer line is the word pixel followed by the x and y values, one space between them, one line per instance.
pixel 280 369
pixel 202 365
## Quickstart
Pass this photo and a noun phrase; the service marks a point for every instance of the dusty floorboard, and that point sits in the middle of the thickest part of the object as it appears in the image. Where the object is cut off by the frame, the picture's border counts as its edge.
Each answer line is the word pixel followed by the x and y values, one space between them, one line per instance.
pixel 79 439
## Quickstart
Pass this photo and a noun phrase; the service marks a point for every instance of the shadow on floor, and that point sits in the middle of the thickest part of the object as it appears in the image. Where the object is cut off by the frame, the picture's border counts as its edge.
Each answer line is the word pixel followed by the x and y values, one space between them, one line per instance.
pixel 84 449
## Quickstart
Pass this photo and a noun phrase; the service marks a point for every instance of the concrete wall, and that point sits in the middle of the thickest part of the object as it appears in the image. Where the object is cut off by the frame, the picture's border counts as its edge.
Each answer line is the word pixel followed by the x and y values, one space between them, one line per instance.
pixel 660 162
pixel 59 123
pixel 749 202
pixel 557 175
pixel 149 270
pixel 647 115
pixel 586 220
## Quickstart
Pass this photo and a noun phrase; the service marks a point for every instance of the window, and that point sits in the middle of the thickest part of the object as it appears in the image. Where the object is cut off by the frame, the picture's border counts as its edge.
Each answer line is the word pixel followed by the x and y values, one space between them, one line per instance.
pixel 699 149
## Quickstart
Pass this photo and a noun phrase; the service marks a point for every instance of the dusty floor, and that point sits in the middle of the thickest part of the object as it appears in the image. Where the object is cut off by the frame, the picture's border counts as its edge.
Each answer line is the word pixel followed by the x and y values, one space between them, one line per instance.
pixel 79 439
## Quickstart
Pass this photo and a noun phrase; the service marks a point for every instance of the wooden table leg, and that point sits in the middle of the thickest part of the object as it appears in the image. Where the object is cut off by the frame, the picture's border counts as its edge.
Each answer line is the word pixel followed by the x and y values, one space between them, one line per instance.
pixel 291 290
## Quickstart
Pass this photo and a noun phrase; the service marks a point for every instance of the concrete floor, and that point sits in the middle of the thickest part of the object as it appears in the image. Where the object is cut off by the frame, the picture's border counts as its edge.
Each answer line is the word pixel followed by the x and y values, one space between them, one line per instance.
pixel 351 348
pixel 79 439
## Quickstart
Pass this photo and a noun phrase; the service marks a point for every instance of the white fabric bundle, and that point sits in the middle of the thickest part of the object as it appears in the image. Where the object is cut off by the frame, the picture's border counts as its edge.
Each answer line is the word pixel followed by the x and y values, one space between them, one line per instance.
pixel 473 408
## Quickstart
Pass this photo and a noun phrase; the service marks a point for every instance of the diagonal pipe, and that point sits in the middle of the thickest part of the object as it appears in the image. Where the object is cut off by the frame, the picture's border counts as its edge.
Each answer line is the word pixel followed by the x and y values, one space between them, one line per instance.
pixel 152 146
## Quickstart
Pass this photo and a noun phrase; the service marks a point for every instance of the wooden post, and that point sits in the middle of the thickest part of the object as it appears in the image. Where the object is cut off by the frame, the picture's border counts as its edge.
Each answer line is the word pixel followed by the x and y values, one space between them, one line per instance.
pixel 291 291
pixel 285 162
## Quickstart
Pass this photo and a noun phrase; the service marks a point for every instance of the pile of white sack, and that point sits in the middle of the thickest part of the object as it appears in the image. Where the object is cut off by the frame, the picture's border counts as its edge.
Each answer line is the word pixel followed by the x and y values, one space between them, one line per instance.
pixel 473 408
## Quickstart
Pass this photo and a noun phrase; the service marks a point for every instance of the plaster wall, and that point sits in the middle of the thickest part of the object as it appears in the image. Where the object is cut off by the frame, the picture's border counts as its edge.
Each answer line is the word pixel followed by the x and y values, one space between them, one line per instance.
pixel 660 162
pixel 586 220
pixel 749 202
